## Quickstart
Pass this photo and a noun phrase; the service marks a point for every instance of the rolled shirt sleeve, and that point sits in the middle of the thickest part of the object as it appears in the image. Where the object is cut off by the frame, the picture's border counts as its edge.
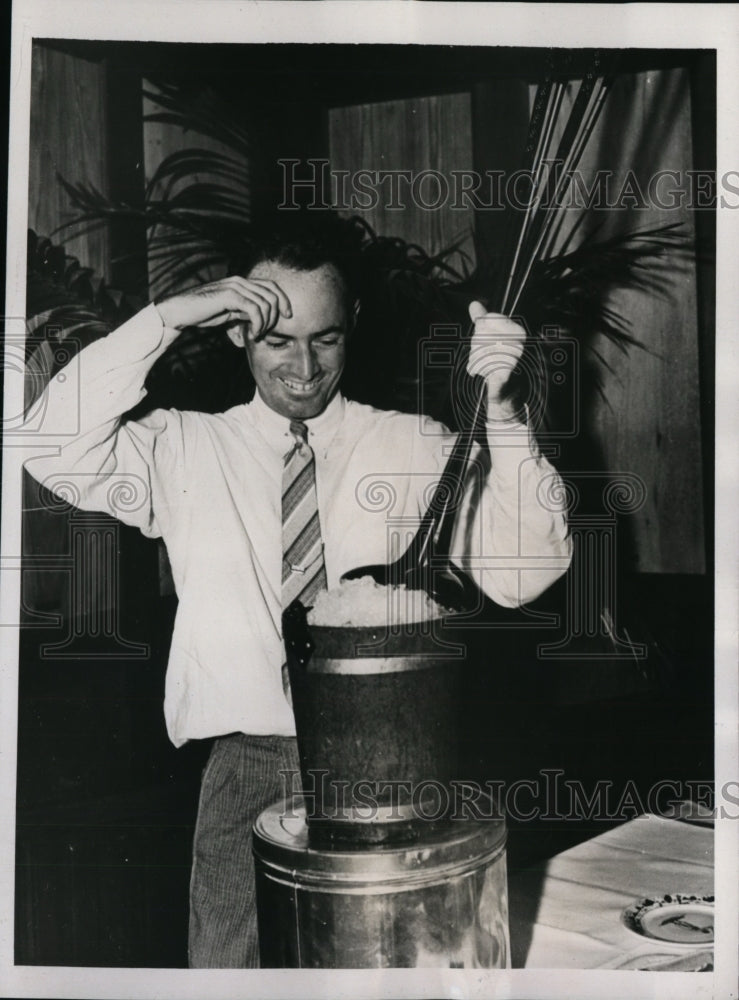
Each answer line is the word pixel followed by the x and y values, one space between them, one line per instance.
pixel 511 532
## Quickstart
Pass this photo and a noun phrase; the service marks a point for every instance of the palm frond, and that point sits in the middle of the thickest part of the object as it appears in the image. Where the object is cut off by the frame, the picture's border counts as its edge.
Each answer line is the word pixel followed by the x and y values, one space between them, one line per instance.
pixel 183 164
pixel 203 115
pixel 66 302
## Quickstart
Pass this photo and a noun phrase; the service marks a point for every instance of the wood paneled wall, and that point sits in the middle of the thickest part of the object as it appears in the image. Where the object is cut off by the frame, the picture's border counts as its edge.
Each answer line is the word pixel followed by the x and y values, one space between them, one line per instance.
pixel 651 422
pixel 68 137
pixel 415 135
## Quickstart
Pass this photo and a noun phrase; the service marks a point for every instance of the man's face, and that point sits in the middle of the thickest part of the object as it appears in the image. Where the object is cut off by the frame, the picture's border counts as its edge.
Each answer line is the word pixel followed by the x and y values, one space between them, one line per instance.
pixel 298 363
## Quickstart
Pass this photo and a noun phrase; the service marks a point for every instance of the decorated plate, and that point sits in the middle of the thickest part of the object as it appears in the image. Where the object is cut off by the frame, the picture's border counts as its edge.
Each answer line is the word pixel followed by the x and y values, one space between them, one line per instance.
pixel 701 961
pixel 677 917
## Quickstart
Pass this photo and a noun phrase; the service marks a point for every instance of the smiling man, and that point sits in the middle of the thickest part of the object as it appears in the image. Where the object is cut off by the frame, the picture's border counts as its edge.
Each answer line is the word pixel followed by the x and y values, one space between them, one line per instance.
pixel 218 489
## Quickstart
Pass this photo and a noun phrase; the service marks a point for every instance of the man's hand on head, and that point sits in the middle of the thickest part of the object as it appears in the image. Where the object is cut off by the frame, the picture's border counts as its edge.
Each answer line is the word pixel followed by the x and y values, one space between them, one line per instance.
pixel 256 302
pixel 496 347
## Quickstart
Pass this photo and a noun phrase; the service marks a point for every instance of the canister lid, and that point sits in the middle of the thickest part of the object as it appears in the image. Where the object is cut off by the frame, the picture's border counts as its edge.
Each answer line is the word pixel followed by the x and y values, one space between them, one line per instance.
pixel 466 842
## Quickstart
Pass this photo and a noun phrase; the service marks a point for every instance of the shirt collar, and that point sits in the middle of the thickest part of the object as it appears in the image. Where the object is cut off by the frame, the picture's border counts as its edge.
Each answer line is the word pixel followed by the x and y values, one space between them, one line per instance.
pixel 276 429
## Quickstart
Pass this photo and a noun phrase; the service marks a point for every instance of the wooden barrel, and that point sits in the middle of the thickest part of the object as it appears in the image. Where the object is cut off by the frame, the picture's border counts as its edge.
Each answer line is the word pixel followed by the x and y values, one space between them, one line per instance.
pixel 377 715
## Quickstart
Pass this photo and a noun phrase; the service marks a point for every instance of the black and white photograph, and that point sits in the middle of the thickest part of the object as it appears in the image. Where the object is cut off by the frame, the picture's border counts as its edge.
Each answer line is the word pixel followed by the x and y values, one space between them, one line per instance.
pixel 368 561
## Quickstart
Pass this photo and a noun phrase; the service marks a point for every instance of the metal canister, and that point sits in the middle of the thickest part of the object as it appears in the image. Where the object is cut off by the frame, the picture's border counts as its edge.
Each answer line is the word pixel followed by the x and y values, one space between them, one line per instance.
pixel 440 902
pixel 378 727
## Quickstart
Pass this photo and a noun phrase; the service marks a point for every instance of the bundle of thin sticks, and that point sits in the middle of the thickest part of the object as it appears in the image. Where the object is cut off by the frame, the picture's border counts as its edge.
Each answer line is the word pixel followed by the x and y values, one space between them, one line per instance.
pixel 551 171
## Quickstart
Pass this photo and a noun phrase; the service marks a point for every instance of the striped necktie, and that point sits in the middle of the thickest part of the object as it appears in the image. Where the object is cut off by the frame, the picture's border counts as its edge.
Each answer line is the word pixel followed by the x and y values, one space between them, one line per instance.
pixel 303 567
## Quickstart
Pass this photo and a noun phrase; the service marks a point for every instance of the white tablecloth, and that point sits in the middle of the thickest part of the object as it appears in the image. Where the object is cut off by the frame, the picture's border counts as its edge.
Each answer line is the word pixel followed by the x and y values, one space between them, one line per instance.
pixel 567 914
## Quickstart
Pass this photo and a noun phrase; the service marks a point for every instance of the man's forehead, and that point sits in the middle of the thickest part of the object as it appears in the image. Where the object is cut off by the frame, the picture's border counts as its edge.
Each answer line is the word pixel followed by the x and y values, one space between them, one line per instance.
pixel 316 298
pixel 325 275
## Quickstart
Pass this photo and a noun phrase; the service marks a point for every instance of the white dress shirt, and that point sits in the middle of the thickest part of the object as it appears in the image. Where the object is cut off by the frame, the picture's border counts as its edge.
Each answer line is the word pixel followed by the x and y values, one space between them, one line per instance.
pixel 210 486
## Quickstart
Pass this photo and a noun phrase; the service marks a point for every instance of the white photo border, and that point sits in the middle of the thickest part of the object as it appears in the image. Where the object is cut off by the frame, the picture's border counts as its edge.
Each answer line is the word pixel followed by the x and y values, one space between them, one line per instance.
pixel 714 26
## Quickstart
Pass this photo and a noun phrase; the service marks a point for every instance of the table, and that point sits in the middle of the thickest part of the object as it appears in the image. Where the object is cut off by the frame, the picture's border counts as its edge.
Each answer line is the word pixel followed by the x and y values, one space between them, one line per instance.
pixel 567 913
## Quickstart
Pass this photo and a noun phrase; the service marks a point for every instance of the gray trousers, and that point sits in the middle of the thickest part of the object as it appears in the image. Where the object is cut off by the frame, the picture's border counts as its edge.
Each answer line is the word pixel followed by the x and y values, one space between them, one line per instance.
pixel 240 779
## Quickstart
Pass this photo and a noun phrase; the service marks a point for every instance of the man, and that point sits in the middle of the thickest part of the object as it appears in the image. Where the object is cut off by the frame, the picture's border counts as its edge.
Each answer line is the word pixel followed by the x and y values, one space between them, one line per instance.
pixel 213 487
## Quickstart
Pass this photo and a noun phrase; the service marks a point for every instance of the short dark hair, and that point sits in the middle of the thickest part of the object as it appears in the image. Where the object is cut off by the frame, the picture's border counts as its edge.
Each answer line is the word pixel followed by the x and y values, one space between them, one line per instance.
pixel 305 242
